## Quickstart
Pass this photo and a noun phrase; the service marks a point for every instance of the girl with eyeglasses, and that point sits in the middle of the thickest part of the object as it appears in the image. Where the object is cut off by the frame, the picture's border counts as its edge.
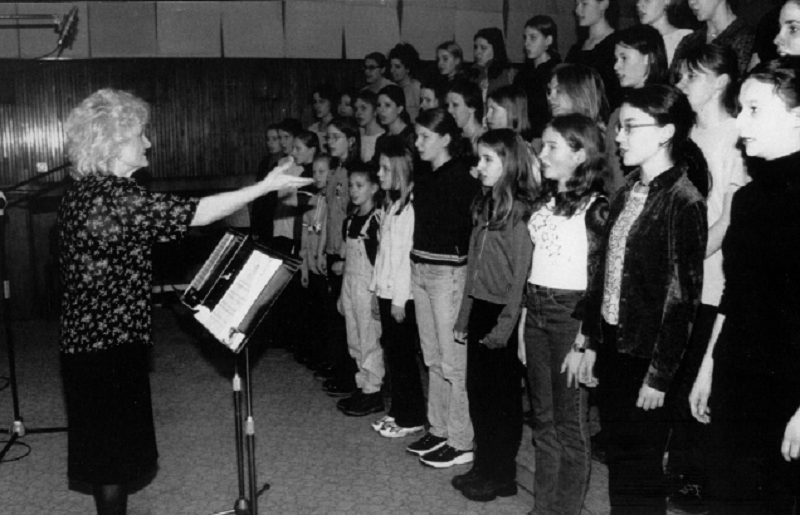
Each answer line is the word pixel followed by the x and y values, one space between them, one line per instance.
pixel 644 296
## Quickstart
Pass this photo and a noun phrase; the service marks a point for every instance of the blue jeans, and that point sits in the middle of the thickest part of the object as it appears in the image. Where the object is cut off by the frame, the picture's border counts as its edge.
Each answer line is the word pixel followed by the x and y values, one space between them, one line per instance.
pixel 561 431
pixel 437 292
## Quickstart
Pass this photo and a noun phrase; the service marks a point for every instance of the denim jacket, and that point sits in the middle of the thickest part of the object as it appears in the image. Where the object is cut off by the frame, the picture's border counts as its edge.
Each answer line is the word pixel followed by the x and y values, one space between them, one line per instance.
pixel 662 278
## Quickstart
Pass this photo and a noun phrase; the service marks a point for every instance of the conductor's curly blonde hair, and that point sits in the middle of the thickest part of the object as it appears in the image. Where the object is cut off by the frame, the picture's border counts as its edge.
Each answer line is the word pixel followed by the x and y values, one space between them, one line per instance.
pixel 99 126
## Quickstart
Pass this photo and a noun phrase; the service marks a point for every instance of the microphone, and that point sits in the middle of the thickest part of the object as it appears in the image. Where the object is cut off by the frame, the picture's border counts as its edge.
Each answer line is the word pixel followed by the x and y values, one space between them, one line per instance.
pixel 67 32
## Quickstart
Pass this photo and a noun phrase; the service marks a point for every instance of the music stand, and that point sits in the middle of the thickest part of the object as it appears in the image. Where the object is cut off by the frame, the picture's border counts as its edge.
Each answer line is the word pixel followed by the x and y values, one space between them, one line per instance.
pixel 208 290
pixel 17 429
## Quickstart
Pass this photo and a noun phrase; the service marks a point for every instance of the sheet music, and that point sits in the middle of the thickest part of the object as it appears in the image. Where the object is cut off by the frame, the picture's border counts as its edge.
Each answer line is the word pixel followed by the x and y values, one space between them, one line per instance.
pixel 202 276
pixel 224 320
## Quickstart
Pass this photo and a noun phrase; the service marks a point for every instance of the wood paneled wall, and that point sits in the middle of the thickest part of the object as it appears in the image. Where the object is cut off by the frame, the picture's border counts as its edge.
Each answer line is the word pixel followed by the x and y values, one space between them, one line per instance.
pixel 208 128
pixel 209 116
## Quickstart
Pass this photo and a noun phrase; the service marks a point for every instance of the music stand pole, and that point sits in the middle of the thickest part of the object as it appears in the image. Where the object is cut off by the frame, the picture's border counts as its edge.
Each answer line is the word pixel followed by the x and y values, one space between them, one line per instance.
pixel 250 435
pixel 241 506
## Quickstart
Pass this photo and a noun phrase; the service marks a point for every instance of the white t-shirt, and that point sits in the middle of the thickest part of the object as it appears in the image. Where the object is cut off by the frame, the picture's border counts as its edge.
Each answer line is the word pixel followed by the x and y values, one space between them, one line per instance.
pixel 726 165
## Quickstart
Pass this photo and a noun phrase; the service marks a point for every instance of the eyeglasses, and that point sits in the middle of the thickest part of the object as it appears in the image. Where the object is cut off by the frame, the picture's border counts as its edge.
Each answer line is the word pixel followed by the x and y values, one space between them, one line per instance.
pixel 333 137
pixel 626 128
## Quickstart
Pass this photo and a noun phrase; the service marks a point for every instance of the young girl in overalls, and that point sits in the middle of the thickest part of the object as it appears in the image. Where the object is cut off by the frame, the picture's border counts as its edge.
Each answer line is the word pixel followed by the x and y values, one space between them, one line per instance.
pixel 361 229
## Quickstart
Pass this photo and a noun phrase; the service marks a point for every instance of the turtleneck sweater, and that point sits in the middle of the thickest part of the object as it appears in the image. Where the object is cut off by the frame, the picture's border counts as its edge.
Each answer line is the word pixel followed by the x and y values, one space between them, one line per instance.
pixel 761 250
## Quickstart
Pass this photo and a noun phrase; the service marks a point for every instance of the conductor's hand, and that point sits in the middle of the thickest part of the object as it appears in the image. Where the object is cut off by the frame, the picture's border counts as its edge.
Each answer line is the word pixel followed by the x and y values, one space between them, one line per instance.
pixel 279 179
pixel 460 337
pixel 340 305
pixel 649 398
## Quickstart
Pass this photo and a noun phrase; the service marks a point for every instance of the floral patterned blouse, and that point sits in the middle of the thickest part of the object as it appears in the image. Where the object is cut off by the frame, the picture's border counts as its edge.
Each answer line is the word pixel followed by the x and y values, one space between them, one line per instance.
pixel 107 228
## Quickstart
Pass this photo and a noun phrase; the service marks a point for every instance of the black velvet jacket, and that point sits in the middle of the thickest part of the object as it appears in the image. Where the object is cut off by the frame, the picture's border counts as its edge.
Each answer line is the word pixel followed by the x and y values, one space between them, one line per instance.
pixel 662 278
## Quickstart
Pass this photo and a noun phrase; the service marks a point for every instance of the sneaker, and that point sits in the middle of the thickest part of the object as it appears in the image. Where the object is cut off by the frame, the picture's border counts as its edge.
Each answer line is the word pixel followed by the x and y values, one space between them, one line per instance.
pixel 461 480
pixel 381 422
pixel 363 405
pixel 485 490
pixel 446 456
pixel 688 500
pixel 427 443
pixel 392 430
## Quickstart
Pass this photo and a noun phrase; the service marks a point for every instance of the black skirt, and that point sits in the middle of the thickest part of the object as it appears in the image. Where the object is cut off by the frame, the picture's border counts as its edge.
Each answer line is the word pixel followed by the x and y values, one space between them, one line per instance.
pixel 111 437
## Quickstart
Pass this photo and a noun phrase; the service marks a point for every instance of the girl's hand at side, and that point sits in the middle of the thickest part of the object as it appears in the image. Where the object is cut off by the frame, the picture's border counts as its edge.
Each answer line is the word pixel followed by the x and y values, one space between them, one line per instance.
pixel 649 398
pixel 790 448
pixel 701 391
pixel 399 314
pixel 338 267
pixel 340 305
pixel 572 366
pixel 304 277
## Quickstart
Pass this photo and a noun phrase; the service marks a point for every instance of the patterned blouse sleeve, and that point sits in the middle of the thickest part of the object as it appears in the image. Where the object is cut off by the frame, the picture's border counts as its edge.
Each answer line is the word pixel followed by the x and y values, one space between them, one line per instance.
pixel 159 217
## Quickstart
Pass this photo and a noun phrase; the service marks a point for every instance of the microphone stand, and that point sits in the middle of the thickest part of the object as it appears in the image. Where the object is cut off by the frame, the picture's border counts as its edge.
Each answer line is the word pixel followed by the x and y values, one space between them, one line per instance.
pixel 17 429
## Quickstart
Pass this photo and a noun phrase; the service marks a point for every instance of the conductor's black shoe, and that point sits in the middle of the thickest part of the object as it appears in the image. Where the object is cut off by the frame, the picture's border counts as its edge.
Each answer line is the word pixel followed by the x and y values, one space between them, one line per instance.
pixel 485 490
pixel 337 387
pixel 364 404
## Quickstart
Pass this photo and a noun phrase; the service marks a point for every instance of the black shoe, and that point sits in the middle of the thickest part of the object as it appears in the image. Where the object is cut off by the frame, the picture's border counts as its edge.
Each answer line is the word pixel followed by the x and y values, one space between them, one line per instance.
pixel 349 401
pixel 364 404
pixel 339 388
pixel 426 444
pixel 489 490
pixel 459 481
pixel 688 500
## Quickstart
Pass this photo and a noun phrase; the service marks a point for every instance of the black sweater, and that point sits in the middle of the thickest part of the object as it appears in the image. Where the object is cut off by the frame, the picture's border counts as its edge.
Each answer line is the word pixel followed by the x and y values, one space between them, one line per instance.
pixel 761 302
pixel 442 218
